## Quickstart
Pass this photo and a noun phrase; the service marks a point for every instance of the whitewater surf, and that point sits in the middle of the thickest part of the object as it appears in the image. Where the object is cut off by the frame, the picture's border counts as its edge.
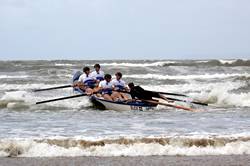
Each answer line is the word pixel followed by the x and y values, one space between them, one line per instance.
pixel 75 128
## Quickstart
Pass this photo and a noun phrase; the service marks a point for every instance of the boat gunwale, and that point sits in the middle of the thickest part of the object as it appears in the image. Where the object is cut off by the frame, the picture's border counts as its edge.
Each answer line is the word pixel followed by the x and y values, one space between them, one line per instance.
pixel 141 104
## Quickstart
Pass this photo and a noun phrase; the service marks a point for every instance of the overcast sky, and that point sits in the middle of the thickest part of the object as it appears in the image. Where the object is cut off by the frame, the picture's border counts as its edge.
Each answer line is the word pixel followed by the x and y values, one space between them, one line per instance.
pixel 124 29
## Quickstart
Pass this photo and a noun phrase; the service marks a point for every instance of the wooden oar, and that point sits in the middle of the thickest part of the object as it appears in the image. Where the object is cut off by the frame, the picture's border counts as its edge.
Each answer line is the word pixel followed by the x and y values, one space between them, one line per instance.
pixel 174 99
pixel 171 105
pixel 62 98
pixel 194 102
pixel 57 87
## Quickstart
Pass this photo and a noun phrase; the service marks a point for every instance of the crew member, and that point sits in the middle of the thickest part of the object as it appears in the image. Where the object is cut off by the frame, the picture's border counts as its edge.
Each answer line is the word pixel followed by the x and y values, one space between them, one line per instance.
pixel 105 87
pixel 119 85
pixel 138 92
pixel 98 74
pixel 86 82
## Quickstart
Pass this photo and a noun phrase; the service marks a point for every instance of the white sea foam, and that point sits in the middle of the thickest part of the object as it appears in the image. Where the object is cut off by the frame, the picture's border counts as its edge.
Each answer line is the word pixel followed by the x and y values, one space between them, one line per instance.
pixel 33 148
pixel 26 86
pixel 13 76
pixel 24 99
pixel 216 93
pixel 185 77
pixel 161 63
pixel 63 64
pixel 223 61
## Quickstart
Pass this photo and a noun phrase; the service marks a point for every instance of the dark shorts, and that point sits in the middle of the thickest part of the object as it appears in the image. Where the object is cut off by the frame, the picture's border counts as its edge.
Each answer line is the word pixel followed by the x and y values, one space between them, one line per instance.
pixel 148 95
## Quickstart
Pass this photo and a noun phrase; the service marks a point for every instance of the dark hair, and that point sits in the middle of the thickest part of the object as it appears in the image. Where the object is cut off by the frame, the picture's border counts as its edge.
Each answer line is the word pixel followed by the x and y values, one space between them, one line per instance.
pixel 97 65
pixel 131 84
pixel 86 69
pixel 107 76
pixel 119 74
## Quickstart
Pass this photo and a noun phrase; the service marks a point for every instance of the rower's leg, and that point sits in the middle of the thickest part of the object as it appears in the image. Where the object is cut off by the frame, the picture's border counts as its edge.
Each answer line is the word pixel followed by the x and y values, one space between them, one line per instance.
pixel 116 95
pixel 107 97
pixel 125 97
pixel 89 91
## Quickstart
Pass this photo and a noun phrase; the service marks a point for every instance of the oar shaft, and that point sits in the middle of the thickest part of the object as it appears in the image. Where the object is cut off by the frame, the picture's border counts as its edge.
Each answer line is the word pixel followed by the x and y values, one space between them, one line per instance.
pixel 52 88
pixel 174 94
pixel 174 99
pixel 170 105
pixel 194 102
pixel 62 98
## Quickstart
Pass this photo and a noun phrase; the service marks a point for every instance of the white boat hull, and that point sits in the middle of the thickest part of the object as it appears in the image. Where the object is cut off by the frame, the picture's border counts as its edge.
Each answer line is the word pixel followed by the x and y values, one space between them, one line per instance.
pixel 122 106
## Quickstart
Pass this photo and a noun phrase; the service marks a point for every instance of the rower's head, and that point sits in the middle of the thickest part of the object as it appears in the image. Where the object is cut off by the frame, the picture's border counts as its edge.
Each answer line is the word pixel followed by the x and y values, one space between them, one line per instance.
pixel 118 75
pixel 86 70
pixel 131 85
pixel 97 67
pixel 107 77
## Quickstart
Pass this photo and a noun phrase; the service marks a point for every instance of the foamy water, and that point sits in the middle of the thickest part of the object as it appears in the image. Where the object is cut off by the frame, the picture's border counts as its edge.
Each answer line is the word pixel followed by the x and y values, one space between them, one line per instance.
pixel 74 128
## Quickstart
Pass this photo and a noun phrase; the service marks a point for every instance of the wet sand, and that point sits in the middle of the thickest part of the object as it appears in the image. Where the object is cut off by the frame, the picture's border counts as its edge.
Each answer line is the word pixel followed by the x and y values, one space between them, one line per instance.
pixel 239 160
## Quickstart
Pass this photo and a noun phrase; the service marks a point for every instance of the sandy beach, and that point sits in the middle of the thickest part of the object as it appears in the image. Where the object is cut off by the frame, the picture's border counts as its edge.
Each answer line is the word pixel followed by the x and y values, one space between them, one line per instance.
pixel 239 160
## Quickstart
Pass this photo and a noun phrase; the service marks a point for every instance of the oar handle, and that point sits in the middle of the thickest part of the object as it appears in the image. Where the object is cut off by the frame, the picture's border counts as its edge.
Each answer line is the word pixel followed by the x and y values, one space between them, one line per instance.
pixel 62 98
pixel 52 88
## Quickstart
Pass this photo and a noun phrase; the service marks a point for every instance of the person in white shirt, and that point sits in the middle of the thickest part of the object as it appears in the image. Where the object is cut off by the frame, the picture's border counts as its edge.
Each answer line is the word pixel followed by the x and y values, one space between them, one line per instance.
pixel 119 85
pixel 86 82
pixel 105 87
pixel 98 74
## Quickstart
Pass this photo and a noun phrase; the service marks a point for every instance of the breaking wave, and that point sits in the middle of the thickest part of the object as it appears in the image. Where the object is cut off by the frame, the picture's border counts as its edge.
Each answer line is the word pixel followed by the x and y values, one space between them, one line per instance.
pixel 123 146
pixel 24 99
pixel 185 77
pixel 229 63
pixel 213 93
pixel 9 76
pixel 160 63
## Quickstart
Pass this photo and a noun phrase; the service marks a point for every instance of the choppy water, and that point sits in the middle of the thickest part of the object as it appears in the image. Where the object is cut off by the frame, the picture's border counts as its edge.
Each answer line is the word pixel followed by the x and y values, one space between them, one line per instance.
pixel 74 128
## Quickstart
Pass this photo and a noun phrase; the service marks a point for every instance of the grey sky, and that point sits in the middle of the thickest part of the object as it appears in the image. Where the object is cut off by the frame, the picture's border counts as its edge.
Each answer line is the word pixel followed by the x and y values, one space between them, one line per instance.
pixel 124 29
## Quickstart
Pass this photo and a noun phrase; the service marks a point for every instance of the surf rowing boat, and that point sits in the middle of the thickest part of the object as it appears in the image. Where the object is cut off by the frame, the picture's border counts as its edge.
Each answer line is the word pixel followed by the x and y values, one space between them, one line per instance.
pixel 101 103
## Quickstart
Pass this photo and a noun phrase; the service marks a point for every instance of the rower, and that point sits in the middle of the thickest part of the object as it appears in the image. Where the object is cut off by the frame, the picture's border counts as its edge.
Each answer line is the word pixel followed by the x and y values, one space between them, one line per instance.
pixel 86 83
pixel 98 74
pixel 105 87
pixel 138 92
pixel 119 85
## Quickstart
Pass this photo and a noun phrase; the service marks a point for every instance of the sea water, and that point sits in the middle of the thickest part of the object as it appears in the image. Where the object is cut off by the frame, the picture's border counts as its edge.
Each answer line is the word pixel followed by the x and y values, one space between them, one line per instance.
pixel 74 128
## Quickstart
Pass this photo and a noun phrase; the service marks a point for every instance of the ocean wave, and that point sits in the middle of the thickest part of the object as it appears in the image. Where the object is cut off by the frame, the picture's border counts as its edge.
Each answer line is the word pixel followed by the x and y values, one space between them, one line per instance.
pixel 125 146
pixel 63 64
pixel 13 76
pixel 24 99
pixel 212 93
pixel 28 86
pixel 159 63
pixel 229 63
pixel 186 77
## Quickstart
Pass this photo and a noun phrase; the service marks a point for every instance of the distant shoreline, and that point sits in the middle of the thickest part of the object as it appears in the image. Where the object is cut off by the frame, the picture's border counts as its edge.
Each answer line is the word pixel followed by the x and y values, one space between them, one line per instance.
pixel 128 161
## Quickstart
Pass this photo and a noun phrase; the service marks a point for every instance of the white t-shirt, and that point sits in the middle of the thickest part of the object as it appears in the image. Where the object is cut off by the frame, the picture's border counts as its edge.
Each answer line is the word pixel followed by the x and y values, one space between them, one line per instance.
pixel 86 79
pixel 118 84
pixel 97 76
pixel 105 85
